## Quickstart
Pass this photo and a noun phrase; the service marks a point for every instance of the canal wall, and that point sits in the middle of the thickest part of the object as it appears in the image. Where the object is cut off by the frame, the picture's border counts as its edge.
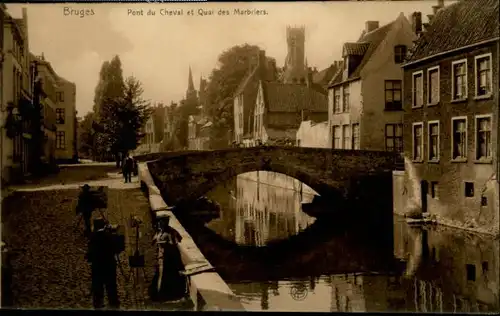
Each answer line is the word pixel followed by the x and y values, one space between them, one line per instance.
pixel 407 201
pixel 207 289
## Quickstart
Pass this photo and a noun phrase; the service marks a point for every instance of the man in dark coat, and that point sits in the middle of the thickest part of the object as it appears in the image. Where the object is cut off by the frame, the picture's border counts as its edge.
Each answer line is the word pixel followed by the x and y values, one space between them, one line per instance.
pixel 128 168
pixel 101 256
pixel 85 207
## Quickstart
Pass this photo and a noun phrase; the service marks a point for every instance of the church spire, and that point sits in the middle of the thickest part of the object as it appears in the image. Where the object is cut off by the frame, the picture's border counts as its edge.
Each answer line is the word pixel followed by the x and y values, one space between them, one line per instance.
pixel 190 81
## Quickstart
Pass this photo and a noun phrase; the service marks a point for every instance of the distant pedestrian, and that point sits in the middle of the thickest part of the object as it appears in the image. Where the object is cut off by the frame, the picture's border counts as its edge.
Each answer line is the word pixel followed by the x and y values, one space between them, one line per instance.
pixel 128 169
pixel 101 255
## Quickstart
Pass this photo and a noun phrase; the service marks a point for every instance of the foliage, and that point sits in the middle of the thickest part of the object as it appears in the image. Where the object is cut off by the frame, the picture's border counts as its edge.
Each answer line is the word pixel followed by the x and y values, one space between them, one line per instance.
pixel 86 136
pixel 233 65
pixel 120 112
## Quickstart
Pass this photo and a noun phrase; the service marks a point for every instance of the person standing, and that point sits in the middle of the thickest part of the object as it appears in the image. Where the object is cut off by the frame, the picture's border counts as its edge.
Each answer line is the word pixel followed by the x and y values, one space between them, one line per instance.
pixel 85 207
pixel 129 165
pixel 170 283
pixel 101 255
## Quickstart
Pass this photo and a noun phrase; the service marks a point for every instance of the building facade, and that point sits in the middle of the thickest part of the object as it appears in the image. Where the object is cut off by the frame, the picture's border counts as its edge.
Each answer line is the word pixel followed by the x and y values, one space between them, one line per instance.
pixel 365 96
pixel 46 81
pixel 281 107
pixel 244 98
pixel 17 107
pixel 451 117
pixel 66 143
pixel 313 135
pixel 198 133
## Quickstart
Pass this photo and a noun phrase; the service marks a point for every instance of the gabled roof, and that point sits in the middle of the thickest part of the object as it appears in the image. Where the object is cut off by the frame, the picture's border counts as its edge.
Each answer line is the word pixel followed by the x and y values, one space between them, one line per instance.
pixel 368 42
pixel 281 97
pixel 461 24
pixel 324 76
pixel 358 49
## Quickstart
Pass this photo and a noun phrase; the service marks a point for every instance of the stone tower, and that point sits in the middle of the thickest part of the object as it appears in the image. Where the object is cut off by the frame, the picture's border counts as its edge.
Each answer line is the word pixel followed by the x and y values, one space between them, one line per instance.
pixel 295 70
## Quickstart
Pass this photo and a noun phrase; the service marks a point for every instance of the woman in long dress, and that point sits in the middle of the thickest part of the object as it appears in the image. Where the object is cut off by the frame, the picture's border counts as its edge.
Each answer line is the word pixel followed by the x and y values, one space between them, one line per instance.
pixel 169 283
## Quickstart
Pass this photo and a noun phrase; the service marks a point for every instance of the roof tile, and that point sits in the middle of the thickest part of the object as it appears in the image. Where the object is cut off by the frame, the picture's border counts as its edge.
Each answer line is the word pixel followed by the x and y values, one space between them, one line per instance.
pixel 282 97
pixel 461 24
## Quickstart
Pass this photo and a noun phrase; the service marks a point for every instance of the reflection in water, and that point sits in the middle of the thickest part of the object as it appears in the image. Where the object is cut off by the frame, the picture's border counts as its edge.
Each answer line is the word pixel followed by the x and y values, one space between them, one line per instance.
pixel 445 270
pixel 264 212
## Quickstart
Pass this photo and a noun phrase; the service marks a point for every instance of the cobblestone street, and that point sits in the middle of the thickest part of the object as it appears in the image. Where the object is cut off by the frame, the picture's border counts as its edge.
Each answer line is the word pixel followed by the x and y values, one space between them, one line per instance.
pixel 49 268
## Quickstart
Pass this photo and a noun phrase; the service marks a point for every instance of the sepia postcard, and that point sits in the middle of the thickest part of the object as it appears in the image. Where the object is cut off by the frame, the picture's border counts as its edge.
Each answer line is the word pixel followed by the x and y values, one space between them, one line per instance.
pixel 309 156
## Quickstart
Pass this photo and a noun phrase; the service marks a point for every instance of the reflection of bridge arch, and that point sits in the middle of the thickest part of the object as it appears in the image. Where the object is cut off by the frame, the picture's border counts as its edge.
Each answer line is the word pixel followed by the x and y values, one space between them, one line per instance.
pixel 321 246
pixel 329 172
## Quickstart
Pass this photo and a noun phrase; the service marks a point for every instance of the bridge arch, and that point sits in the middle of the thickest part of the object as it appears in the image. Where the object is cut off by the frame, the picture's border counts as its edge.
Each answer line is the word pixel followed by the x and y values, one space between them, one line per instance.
pixel 331 173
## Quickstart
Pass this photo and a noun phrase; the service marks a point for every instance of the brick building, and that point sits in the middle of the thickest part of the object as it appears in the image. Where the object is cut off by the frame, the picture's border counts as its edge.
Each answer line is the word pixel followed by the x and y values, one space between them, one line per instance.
pixel 280 108
pixel 364 102
pixel 451 116
pixel 244 98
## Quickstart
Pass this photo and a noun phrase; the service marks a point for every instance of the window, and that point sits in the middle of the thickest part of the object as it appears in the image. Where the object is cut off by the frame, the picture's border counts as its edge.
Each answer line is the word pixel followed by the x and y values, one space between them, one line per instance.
pixel 484 201
pixel 336 101
pixel 483 75
pixel 345 101
pixel 346 133
pixel 399 53
pixel 60 96
pixel 60 140
pixel 459 79
pixel 434 189
pixel 459 138
pixel 418 129
pixel 469 189
pixel 471 272
pixel 433 140
pixel 336 137
pixel 394 137
pixel 393 95
pixel 59 116
pixel 355 136
pixel 483 137
pixel 433 85
pixel 241 120
pixel 418 89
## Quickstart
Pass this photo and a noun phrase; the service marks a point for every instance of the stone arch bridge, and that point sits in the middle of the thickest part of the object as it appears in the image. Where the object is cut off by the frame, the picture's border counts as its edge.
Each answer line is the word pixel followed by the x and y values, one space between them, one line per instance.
pixel 334 174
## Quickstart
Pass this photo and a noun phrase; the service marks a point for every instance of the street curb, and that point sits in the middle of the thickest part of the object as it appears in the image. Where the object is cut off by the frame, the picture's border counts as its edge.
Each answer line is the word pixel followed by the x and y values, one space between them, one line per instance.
pixel 207 289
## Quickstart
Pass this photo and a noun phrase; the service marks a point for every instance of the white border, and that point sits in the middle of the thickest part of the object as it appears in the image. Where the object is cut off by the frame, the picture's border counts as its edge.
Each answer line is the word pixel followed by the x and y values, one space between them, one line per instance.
pixel 429 123
pixel 476 118
pixel 416 73
pixel 453 63
pixel 429 85
pixel 476 87
pixel 453 119
pixel 421 124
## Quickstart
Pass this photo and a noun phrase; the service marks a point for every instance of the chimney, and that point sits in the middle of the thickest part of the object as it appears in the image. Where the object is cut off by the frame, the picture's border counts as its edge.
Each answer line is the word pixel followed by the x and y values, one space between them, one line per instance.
pixel 416 22
pixel 371 26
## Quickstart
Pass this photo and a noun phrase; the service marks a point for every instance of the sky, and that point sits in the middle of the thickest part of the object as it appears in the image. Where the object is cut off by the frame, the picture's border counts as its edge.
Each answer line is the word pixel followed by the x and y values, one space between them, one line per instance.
pixel 158 50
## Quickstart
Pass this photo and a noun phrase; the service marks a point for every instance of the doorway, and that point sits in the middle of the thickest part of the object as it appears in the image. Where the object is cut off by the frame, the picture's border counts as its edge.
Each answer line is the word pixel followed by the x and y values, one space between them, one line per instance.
pixel 424 189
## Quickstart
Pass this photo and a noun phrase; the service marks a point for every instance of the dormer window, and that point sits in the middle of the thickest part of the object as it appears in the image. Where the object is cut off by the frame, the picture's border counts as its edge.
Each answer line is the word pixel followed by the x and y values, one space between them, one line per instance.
pixel 399 53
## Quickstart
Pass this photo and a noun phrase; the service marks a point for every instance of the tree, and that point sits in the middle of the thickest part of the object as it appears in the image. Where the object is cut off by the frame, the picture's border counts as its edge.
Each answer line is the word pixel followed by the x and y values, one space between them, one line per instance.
pixel 86 135
pixel 129 115
pixel 109 90
pixel 233 65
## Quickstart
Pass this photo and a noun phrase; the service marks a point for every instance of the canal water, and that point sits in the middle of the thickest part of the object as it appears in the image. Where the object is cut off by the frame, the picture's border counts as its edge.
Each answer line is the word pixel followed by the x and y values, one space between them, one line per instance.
pixel 433 269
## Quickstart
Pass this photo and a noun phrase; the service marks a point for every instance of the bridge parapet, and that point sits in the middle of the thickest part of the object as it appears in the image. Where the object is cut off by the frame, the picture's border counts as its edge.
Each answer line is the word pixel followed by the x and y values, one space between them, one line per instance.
pixel 187 175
